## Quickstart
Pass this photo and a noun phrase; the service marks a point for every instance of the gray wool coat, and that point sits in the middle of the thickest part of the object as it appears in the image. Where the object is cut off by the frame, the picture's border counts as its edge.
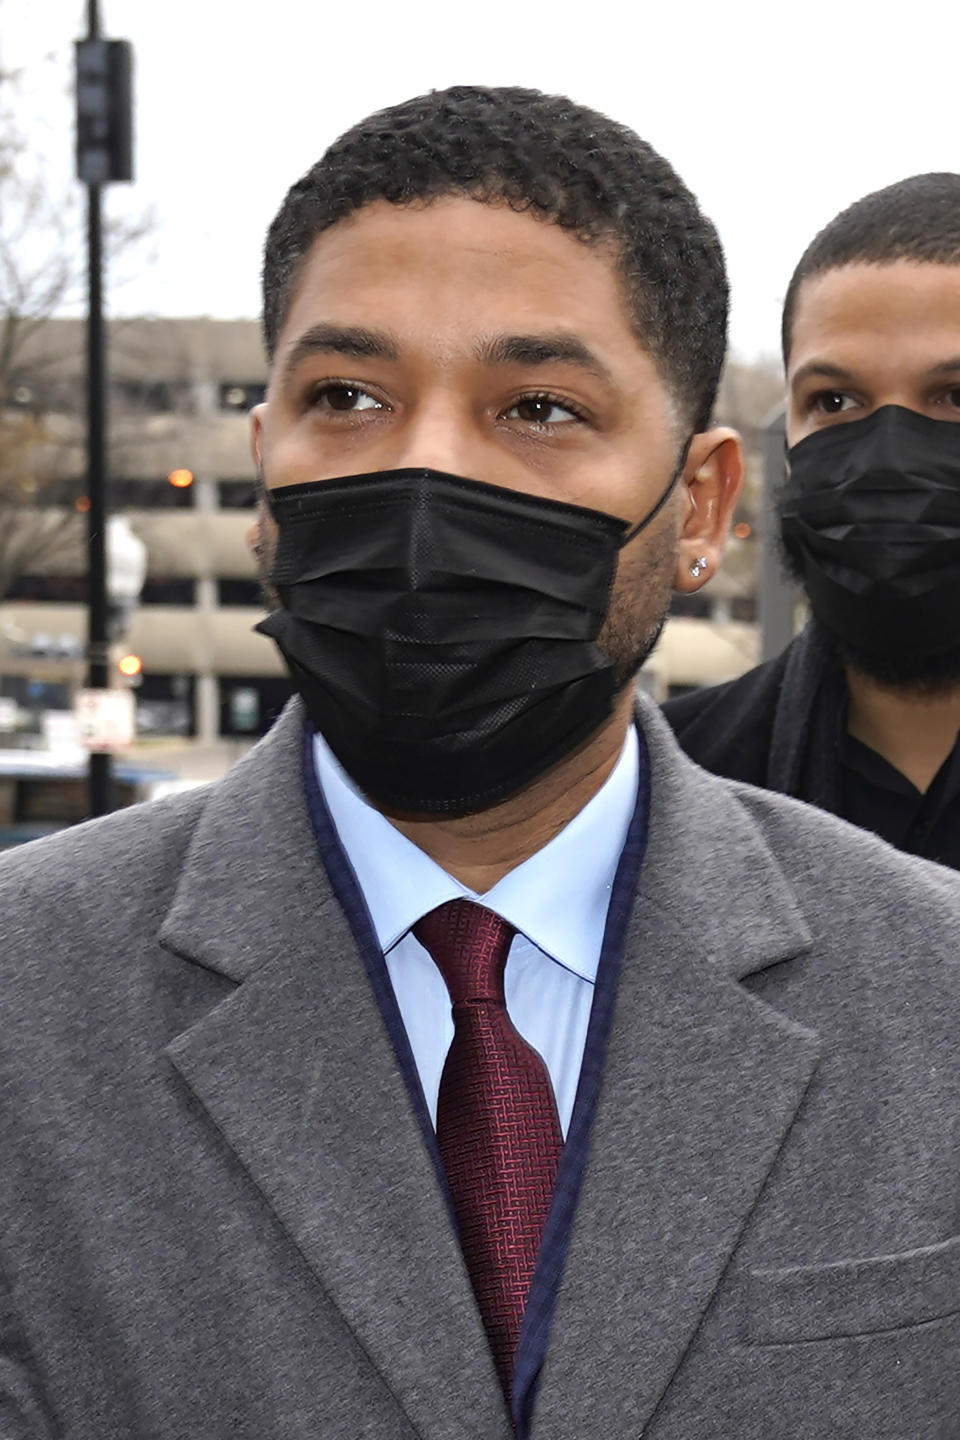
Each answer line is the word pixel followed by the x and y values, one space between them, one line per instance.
pixel 218 1220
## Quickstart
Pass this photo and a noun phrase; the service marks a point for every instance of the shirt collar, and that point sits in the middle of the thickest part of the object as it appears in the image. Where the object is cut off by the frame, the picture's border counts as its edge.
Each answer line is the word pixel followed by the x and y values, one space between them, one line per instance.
pixel 400 883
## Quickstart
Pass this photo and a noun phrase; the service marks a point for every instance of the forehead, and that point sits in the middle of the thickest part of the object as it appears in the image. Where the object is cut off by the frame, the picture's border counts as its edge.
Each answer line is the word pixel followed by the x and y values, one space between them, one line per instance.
pixel 453 267
pixel 900 313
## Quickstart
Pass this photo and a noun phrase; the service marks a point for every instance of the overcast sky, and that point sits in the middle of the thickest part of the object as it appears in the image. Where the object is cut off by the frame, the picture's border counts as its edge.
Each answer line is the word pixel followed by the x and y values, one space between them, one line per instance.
pixel 776 115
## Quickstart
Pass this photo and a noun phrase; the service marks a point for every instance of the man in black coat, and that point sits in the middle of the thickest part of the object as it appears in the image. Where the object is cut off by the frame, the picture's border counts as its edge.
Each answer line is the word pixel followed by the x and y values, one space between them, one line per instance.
pixel 860 714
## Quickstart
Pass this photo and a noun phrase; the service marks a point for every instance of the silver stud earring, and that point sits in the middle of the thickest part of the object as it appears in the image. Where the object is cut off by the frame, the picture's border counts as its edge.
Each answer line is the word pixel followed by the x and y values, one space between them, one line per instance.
pixel 698 566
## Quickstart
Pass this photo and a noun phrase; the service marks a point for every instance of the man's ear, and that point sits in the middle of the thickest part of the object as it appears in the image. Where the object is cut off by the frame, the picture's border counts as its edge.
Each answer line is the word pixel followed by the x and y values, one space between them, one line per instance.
pixel 261 538
pixel 253 535
pixel 712 479
pixel 256 435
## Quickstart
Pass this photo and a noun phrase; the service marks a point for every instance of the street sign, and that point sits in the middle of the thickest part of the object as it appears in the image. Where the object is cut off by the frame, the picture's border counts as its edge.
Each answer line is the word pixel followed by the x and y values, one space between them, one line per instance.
pixel 106 719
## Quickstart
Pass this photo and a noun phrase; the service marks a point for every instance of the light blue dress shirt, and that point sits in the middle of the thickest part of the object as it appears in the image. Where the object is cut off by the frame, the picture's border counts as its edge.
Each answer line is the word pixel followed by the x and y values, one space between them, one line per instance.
pixel 556 900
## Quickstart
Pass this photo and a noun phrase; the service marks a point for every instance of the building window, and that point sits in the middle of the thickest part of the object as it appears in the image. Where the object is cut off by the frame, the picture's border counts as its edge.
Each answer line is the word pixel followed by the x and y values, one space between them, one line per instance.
pixel 166 705
pixel 237 494
pixel 54 589
pixel 250 704
pixel 241 395
pixel 698 606
pixel 30 392
pixel 240 592
pixel 150 495
pixel 176 591
pixel 72 590
pixel 35 695
pixel 151 397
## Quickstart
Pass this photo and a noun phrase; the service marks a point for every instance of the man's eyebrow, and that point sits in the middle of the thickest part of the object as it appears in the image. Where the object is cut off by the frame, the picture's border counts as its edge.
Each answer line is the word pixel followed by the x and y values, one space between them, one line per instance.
pixel 821 369
pixel 352 340
pixel 541 350
pixel 824 370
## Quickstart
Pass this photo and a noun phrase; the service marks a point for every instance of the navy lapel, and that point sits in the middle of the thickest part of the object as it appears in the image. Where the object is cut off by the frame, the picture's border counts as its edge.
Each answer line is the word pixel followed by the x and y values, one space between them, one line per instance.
pixel 538 1315
pixel 701 1086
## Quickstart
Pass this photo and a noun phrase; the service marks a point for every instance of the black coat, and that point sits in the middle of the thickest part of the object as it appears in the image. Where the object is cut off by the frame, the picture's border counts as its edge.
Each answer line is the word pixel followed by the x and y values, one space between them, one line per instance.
pixel 777 726
pixel 781 726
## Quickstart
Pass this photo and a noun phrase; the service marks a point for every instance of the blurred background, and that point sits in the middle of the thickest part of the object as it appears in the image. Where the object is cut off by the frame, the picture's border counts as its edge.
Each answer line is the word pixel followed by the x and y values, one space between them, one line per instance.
pixel 776 116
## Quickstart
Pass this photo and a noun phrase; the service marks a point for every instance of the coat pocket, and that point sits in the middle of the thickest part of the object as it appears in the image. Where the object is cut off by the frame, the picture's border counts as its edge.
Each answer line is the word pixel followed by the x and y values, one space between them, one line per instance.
pixel 853 1297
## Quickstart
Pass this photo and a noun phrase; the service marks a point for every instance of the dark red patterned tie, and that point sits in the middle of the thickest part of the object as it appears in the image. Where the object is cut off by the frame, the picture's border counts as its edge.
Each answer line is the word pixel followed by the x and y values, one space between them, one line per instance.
pixel 497 1124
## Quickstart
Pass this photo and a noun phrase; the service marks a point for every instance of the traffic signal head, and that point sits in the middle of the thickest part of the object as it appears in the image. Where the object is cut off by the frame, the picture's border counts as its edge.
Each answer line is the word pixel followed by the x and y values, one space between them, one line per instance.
pixel 104 72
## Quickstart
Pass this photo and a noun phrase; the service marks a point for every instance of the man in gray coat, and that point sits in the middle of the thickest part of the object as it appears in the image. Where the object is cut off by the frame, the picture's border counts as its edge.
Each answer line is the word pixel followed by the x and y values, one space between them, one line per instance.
pixel 468 1063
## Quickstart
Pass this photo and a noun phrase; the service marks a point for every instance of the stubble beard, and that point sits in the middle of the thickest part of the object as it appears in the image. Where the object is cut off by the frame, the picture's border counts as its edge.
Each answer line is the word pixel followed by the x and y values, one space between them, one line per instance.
pixel 639 607
pixel 266 550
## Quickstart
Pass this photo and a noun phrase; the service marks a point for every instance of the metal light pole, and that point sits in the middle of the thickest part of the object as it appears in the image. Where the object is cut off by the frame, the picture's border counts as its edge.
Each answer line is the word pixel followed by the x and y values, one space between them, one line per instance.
pixel 98 644
pixel 777 594
pixel 104 153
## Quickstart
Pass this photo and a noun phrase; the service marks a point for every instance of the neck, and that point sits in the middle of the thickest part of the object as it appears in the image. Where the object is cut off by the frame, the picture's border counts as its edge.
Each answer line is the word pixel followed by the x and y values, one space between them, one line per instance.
pixel 478 850
pixel 913 729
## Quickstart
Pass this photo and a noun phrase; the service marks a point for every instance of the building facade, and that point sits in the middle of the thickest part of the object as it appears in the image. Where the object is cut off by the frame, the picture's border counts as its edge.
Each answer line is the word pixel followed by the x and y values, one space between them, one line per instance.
pixel 182 474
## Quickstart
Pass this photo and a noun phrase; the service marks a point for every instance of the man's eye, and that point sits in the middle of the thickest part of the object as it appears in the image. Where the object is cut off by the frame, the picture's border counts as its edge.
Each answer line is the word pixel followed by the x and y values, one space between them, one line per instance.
pixel 541 410
pixel 343 398
pixel 830 402
pixel 953 398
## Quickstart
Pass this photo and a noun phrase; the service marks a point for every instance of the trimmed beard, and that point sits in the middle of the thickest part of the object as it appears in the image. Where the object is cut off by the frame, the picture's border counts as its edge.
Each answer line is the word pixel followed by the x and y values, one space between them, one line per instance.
pixel 924 676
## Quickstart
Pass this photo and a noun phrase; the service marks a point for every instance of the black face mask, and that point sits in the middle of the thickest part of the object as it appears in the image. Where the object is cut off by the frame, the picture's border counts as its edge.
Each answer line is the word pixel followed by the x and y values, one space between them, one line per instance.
pixel 442 631
pixel 870 515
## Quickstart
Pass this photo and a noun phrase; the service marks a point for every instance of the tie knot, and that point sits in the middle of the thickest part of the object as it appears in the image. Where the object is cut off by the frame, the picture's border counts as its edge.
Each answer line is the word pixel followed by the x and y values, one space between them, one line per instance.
pixel 469 946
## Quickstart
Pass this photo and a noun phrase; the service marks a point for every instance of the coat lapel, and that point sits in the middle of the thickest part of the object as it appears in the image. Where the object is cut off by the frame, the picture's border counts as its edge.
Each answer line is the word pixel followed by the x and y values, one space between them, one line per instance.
pixel 702 1083
pixel 296 1070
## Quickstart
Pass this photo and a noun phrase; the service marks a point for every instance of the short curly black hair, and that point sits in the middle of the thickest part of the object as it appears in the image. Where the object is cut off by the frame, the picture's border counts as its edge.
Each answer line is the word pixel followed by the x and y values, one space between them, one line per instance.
pixel 916 219
pixel 561 161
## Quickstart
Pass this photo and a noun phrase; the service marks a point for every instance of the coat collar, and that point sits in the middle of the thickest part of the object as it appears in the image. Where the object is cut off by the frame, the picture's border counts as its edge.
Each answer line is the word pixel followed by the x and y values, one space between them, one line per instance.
pixel 710 872
pixel 701 1085
pixel 253 854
